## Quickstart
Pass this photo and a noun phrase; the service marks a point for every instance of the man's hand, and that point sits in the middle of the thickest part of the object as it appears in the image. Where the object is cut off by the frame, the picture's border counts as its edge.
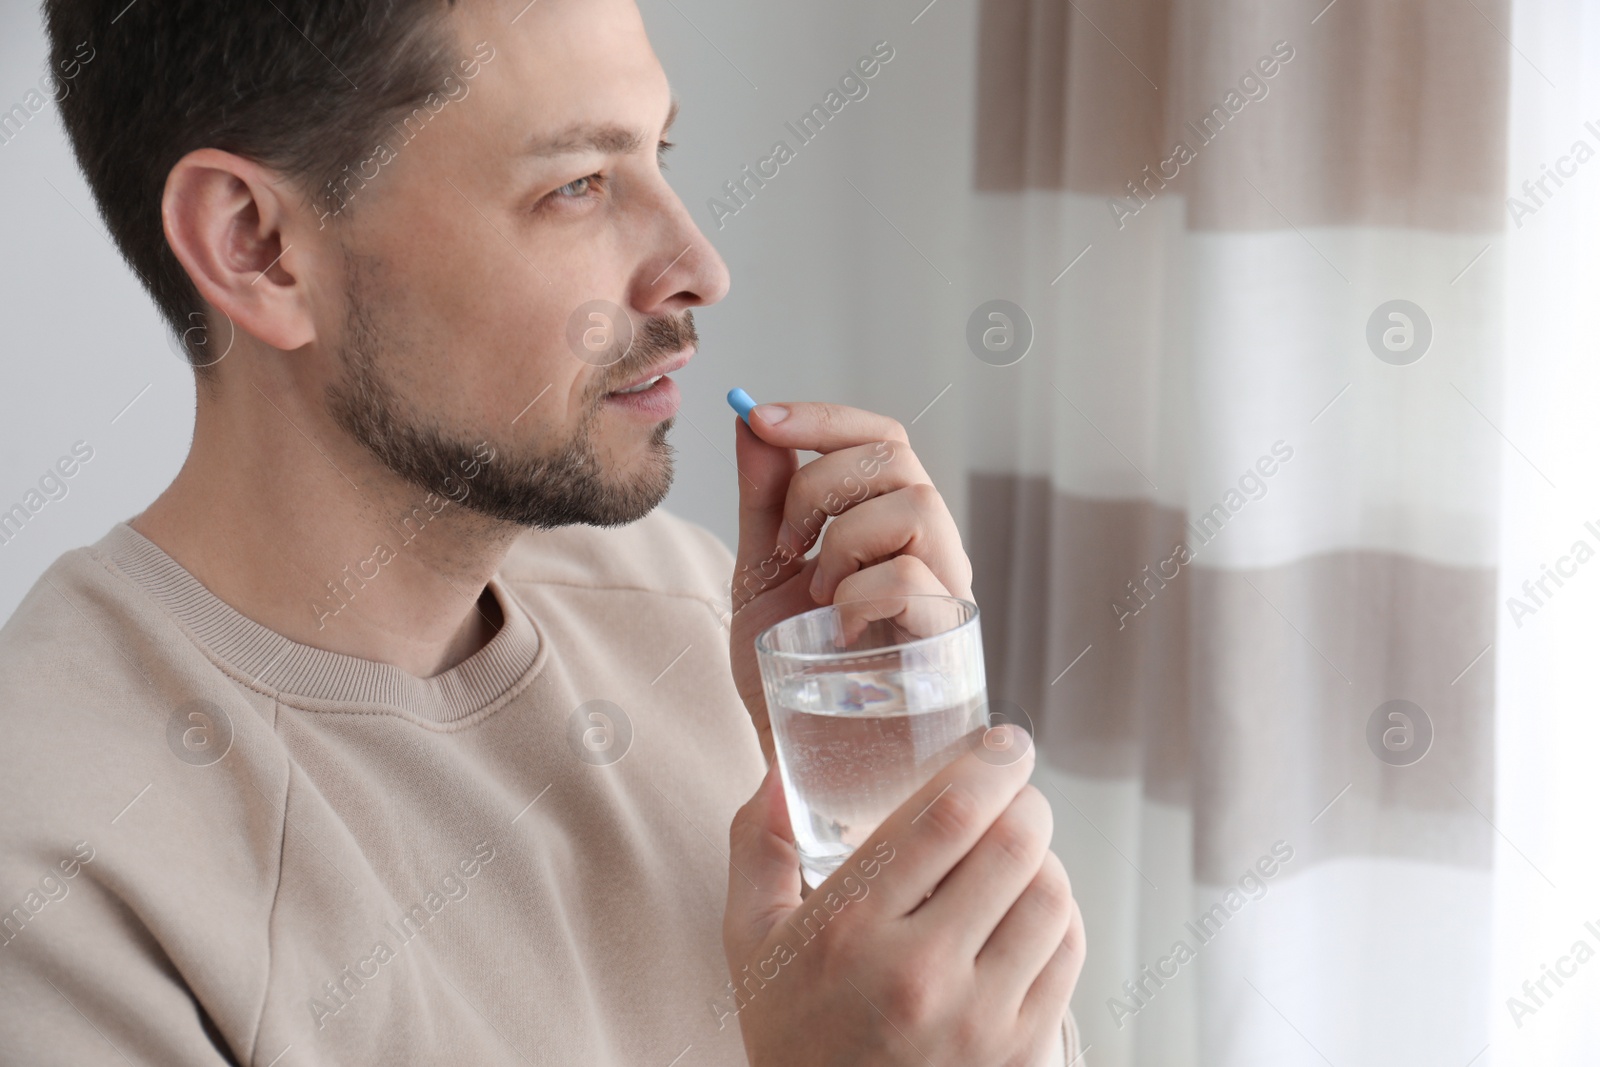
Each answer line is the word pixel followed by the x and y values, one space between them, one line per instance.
pixel 893 534
pixel 950 938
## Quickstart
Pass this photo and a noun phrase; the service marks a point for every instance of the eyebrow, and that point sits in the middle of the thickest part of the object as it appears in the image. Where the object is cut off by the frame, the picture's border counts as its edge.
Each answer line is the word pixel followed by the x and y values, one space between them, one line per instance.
pixel 607 139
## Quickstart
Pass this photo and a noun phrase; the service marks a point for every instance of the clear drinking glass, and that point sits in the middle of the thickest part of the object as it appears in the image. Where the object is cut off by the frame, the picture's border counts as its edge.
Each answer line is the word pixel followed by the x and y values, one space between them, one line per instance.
pixel 868 700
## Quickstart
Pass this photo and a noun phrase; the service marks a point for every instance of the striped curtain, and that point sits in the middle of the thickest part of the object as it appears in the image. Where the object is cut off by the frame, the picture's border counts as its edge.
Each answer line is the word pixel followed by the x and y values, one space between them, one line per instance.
pixel 1233 493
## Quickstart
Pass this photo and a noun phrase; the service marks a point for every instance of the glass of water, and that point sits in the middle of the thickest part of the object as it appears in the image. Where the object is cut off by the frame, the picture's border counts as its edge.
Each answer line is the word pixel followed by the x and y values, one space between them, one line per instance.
pixel 868 700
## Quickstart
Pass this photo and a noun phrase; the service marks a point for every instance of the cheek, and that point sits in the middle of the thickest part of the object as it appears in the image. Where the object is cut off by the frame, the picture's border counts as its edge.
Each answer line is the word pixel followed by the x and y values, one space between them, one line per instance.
pixel 486 311
pixel 495 345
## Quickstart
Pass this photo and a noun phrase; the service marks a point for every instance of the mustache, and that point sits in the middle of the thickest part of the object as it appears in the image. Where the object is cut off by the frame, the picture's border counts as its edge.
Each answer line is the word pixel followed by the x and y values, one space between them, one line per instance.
pixel 653 339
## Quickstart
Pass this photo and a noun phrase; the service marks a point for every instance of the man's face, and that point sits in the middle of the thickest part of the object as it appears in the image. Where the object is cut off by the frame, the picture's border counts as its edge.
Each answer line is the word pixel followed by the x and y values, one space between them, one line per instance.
pixel 471 263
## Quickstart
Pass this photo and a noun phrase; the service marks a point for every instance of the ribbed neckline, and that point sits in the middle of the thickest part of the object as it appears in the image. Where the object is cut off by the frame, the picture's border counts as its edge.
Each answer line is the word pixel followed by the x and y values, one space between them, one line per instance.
pixel 274 662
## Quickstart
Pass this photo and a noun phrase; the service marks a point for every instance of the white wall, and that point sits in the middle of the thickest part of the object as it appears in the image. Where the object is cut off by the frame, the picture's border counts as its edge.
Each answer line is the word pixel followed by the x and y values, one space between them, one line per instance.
pixel 79 338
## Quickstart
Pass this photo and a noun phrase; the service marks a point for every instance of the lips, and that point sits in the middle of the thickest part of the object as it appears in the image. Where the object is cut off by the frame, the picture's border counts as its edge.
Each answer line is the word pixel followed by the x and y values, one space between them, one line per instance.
pixel 677 362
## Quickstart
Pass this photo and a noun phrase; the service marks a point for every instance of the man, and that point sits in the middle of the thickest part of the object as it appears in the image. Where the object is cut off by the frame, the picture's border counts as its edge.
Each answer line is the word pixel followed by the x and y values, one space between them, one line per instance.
pixel 403 727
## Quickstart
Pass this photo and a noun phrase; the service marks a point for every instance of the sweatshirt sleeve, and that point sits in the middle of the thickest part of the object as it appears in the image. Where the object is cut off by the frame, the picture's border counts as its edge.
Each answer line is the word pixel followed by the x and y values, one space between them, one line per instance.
pixel 134 898
pixel 1066 1054
pixel 135 884
pixel 1071 1041
pixel 83 981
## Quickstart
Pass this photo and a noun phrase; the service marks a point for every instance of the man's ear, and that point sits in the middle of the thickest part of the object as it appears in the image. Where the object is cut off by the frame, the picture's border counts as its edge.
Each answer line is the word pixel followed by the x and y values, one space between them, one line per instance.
pixel 236 234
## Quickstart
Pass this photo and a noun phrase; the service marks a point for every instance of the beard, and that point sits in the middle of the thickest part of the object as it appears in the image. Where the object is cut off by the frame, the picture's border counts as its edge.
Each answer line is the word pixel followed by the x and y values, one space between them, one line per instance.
pixel 526 486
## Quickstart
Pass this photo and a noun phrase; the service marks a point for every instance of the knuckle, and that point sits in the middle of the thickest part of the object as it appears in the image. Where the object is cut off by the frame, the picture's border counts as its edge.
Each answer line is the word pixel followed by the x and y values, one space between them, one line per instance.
pixel 954 813
pixel 913 992
pixel 925 496
pixel 1061 869
pixel 1050 890
pixel 1013 839
pixel 1017 846
pixel 828 420
pixel 908 569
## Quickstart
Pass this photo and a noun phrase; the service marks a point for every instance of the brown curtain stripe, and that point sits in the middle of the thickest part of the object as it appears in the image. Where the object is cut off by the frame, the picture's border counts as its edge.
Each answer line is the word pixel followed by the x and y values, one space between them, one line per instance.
pixel 1387 114
pixel 1242 695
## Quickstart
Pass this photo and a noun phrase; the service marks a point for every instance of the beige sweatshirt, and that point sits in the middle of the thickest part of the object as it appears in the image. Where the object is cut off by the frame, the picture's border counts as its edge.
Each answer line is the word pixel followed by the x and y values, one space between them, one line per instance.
pixel 220 846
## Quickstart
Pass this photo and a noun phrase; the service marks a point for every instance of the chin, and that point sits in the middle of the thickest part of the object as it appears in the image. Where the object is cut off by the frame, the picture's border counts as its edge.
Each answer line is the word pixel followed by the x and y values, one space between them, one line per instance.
pixel 633 493
pixel 652 478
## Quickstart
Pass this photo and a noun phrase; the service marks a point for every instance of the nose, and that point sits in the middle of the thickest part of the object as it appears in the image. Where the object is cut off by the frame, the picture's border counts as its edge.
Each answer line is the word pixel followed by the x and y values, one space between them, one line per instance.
pixel 683 269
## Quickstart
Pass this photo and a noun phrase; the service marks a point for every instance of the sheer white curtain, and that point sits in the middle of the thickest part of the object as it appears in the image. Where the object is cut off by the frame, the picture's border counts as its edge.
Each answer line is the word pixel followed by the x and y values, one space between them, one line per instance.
pixel 1234 515
pixel 1547 869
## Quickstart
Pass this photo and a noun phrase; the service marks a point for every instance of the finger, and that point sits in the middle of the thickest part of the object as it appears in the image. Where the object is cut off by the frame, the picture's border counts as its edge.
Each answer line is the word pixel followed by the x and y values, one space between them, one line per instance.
pixel 987 896
pixel 836 482
pixel 930 833
pixel 874 593
pixel 763 868
pixel 764 474
pixel 1051 992
pixel 913 521
pixel 825 428
pixel 1029 933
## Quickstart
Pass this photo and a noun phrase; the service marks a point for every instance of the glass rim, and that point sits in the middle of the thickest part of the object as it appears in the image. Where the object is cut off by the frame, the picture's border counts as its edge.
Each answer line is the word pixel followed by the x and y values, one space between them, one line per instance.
pixel 765 649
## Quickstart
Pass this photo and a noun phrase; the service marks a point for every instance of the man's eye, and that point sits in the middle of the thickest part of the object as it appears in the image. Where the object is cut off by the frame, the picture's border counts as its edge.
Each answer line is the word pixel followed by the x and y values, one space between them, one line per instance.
pixel 576 190
pixel 581 188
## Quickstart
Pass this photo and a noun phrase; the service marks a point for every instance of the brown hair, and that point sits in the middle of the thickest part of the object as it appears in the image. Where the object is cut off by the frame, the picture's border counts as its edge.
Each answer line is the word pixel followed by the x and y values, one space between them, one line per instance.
pixel 301 86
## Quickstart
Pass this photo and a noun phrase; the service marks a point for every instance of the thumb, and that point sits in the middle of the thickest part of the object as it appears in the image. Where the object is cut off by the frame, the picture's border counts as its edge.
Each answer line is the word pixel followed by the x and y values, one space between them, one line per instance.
pixel 763 870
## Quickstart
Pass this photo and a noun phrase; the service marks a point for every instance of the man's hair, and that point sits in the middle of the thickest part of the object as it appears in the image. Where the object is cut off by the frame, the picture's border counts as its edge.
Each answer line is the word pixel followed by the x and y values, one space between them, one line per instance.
pixel 300 86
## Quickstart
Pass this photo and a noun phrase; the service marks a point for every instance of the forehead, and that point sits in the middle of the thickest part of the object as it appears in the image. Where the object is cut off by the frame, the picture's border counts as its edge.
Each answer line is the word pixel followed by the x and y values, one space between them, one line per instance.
pixel 560 65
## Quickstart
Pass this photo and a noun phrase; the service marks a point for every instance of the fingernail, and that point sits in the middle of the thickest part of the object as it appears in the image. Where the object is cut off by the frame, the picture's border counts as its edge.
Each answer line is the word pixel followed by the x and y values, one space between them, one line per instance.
pixel 771 413
pixel 816 584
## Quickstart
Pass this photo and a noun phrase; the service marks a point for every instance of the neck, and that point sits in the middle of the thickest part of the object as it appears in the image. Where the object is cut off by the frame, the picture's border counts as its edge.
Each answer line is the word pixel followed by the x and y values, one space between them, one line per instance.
pixel 296 526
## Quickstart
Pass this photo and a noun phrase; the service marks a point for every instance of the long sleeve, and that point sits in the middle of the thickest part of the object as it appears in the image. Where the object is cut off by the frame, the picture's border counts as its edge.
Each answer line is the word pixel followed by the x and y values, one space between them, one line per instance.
pixel 1068 1053
pixel 1071 1041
